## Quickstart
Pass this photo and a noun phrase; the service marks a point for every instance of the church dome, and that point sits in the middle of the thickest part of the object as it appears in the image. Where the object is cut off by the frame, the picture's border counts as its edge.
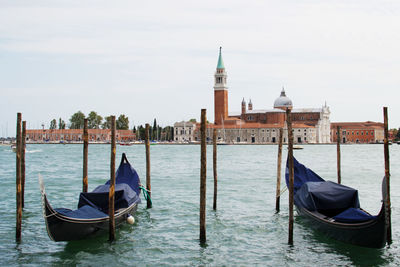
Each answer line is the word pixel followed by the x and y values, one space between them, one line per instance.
pixel 283 101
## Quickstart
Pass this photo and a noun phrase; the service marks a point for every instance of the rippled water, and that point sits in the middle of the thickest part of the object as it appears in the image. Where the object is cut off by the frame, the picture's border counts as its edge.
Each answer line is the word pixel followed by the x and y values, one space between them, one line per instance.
pixel 244 230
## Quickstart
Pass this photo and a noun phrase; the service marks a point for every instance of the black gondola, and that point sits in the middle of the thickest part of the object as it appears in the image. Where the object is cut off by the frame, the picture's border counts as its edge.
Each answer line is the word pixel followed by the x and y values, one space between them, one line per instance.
pixel 334 209
pixel 92 213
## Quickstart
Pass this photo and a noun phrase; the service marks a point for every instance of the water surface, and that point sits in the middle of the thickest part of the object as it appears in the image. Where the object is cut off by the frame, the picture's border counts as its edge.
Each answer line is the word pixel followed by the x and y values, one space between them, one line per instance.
pixel 244 231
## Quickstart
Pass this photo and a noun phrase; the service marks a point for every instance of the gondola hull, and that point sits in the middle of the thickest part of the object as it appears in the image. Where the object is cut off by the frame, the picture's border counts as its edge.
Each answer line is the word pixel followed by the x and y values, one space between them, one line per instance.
pixel 91 215
pixel 370 234
pixel 334 209
pixel 63 228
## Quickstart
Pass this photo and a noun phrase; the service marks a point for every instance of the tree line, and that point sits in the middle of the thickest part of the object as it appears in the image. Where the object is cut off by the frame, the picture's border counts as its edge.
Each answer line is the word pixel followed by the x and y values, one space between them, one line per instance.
pixel 95 121
pixel 156 132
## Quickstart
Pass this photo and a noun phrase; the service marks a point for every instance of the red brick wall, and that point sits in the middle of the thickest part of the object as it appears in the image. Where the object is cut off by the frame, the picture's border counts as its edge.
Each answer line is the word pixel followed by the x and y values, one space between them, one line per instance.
pixel 355 135
pixel 220 106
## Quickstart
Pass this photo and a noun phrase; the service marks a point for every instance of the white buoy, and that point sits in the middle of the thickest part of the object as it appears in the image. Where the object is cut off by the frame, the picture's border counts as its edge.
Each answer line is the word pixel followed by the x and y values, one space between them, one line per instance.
pixel 130 219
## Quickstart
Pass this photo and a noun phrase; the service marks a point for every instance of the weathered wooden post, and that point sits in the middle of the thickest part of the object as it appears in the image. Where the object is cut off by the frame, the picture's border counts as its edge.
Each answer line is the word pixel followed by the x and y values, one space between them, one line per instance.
pixel 23 144
pixel 203 175
pixel 387 174
pixel 111 195
pixel 291 173
pixel 148 178
pixel 85 155
pixel 339 178
pixel 215 168
pixel 18 182
pixel 278 175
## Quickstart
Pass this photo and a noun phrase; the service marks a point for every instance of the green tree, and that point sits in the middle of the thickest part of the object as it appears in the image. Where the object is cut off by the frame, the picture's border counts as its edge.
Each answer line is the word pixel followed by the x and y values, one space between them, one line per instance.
pixel 77 120
pixel 193 120
pixel 141 132
pixel 107 123
pixel 94 120
pixel 53 124
pixel 122 122
pixel 61 124
pixel 154 130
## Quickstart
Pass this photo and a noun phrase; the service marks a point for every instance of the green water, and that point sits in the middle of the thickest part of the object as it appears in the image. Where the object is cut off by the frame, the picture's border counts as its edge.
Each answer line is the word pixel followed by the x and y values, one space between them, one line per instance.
pixel 244 231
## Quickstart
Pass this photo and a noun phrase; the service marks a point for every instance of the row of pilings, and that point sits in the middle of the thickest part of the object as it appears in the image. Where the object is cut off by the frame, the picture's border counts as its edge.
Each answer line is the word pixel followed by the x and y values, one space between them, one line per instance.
pixel 20 172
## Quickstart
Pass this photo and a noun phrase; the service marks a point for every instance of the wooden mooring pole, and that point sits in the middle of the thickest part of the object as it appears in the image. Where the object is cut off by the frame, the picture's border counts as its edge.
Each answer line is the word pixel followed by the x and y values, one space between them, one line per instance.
pixel 278 174
pixel 215 168
pixel 111 195
pixel 339 177
pixel 148 178
pixel 85 155
pixel 291 174
pixel 387 174
pixel 203 175
pixel 23 144
pixel 18 180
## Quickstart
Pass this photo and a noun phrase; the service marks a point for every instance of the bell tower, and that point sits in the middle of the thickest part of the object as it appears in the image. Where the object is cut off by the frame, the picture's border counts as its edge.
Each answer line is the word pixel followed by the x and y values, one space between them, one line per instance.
pixel 220 92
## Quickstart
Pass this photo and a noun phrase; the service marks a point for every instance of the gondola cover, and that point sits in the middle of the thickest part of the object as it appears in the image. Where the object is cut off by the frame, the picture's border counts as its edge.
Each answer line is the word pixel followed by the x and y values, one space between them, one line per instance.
pixel 334 200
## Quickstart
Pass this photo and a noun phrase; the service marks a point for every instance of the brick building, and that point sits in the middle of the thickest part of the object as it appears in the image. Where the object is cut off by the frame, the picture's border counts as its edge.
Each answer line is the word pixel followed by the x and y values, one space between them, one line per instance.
pixel 76 135
pixel 358 132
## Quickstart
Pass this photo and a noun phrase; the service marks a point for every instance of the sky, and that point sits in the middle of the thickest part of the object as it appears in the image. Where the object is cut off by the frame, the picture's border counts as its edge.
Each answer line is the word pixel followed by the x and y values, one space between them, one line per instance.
pixel 157 59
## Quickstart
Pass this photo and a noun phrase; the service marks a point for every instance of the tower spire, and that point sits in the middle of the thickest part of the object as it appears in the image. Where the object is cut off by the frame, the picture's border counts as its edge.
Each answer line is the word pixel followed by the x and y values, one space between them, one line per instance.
pixel 220 92
pixel 220 61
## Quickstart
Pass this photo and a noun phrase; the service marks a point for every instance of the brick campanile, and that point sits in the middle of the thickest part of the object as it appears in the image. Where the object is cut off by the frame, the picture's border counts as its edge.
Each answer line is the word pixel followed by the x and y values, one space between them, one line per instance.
pixel 220 92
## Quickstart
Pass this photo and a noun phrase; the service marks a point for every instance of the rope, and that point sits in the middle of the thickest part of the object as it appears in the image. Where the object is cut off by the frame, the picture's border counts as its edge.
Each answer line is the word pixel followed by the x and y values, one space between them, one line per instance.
pixel 283 191
pixel 146 194
pixel 51 214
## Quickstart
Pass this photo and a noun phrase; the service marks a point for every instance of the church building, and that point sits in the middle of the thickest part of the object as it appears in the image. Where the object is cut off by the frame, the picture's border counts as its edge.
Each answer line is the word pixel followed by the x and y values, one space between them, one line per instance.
pixel 310 125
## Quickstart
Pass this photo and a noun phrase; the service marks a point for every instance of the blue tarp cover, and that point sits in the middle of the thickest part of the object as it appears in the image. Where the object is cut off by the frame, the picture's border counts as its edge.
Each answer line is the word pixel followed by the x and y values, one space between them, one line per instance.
pixel 315 194
pixel 84 212
pixel 302 174
pixel 95 204
pixel 127 175
pixel 98 198
pixel 352 215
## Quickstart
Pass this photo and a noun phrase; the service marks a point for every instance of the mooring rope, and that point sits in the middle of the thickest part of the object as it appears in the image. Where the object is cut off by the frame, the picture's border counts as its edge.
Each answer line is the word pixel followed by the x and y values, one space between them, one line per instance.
pixel 283 191
pixel 146 193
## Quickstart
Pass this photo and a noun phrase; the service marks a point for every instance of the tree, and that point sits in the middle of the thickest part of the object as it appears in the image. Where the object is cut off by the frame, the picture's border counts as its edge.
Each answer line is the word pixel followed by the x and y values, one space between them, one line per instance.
pixel 94 120
pixel 154 130
pixel 141 132
pixel 77 120
pixel 61 124
pixel 397 136
pixel 193 120
pixel 107 123
pixel 122 122
pixel 53 124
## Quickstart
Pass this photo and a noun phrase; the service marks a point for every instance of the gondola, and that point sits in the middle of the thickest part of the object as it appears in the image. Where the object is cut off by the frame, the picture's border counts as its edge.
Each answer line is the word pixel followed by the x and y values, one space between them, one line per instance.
pixel 91 216
pixel 334 209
